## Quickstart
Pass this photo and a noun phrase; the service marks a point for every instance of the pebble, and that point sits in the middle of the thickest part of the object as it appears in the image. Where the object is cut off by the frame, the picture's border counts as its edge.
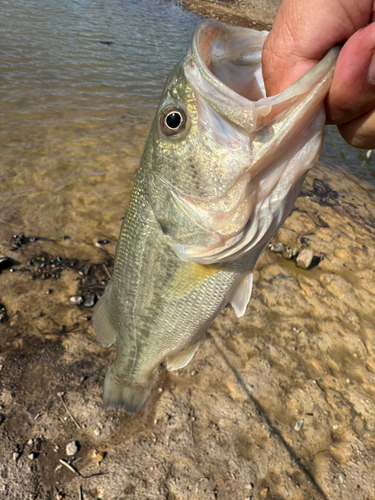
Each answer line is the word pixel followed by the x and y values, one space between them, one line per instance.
pixel 89 300
pixel 298 425
pixel 98 455
pixel 6 262
pixel 100 243
pixel 276 247
pixel 76 300
pixel 3 314
pixel 72 448
pixel 30 442
pixel 97 432
pixel 31 456
pixel 304 258
pixel 16 456
pixel 289 252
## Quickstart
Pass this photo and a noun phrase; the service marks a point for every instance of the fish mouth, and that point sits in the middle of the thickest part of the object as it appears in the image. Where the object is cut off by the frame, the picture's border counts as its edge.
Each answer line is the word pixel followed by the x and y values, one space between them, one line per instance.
pixel 225 69
pixel 279 140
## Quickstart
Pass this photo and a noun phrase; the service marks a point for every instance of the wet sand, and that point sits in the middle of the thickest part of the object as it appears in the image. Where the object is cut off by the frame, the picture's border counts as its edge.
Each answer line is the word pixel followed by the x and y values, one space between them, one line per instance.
pixel 257 14
pixel 279 404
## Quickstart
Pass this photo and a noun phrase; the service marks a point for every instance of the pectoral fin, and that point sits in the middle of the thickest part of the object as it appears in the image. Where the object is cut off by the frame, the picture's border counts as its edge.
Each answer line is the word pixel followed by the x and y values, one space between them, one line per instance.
pixel 104 330
pixel 241 294
pixel 187 278
pixel 182 358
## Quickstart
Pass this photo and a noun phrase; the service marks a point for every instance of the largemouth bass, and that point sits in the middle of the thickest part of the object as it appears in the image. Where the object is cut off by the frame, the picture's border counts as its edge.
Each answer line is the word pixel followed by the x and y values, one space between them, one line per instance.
pixel 221 169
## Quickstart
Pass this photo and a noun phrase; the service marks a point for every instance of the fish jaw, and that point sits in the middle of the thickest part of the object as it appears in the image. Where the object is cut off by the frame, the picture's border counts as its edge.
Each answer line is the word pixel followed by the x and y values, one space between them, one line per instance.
pixel 249 152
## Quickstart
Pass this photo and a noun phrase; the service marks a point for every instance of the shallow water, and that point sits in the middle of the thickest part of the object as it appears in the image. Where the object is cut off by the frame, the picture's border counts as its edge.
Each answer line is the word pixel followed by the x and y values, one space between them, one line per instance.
pixel 75 112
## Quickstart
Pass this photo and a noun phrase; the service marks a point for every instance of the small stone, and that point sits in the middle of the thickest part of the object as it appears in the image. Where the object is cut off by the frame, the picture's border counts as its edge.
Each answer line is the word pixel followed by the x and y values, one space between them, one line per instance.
pixel 6 262
pixel 98 455
pixel 298 425
pixel 304 258
pixel 276 247
pixel 31 456
pixel 100 243
pixel 289 252
pixel 49 291
pixel 76 300
pixel 56 448
pixel 30 442
pixel 3 314
pixel 97 432
pixel 16 456
pixel 264 493
pixel 368 154
pixel 89 300
pixel 72 448
pixel 193 373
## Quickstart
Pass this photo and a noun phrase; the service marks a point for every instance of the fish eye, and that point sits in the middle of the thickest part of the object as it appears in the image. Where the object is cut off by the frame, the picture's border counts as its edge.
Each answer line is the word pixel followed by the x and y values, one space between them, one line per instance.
pixel 172 121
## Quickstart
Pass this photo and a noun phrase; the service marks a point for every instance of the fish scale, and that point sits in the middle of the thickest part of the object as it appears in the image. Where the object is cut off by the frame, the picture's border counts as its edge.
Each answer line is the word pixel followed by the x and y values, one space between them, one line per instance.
pixel 215 182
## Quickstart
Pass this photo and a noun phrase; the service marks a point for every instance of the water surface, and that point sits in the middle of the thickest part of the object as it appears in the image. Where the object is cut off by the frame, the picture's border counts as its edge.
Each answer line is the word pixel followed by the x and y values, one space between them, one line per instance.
pixel 75 112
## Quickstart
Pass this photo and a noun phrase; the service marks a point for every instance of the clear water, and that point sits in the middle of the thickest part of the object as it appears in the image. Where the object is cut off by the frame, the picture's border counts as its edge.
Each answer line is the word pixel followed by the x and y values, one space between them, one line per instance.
pixel 75 112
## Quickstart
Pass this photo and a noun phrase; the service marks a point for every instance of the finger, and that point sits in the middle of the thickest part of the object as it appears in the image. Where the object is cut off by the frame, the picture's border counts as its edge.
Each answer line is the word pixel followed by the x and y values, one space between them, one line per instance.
pixel 352 91
pixel 360 132
pixel 302 34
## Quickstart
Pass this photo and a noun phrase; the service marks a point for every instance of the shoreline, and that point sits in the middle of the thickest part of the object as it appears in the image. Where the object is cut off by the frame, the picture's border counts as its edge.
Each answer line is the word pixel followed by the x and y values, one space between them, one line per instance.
pixel 255 14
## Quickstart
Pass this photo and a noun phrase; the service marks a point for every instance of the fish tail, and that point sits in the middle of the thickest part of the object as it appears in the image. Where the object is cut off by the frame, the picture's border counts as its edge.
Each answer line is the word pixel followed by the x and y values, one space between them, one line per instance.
pixel 118 392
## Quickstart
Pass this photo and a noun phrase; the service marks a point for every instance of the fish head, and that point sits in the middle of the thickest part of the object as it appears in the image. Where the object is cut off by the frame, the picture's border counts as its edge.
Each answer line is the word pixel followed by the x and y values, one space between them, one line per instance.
pixel 226 161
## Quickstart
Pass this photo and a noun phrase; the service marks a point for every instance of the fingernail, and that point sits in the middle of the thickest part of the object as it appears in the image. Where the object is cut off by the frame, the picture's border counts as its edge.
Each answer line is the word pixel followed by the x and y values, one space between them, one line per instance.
pixel 371 70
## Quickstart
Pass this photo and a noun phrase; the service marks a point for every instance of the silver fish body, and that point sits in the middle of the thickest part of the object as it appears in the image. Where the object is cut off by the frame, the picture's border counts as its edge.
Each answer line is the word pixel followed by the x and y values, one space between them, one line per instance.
pixel 221 169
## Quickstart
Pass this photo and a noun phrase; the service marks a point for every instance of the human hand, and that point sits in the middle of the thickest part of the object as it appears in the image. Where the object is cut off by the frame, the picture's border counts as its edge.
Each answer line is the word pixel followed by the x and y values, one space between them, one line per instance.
pixel 302 34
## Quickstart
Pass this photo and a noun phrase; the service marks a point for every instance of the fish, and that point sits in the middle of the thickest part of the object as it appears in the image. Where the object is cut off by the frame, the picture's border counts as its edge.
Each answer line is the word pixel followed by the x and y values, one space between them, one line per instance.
pixel 221 169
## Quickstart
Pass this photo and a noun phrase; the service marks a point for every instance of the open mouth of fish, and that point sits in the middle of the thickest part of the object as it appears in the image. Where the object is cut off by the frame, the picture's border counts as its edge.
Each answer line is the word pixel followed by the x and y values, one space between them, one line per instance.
pixel 266 144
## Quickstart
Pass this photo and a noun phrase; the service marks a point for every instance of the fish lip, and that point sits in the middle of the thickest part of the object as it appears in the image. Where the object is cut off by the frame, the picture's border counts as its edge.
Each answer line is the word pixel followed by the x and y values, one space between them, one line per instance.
pixel 211 29
pixel 245 113
pixel 231 105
